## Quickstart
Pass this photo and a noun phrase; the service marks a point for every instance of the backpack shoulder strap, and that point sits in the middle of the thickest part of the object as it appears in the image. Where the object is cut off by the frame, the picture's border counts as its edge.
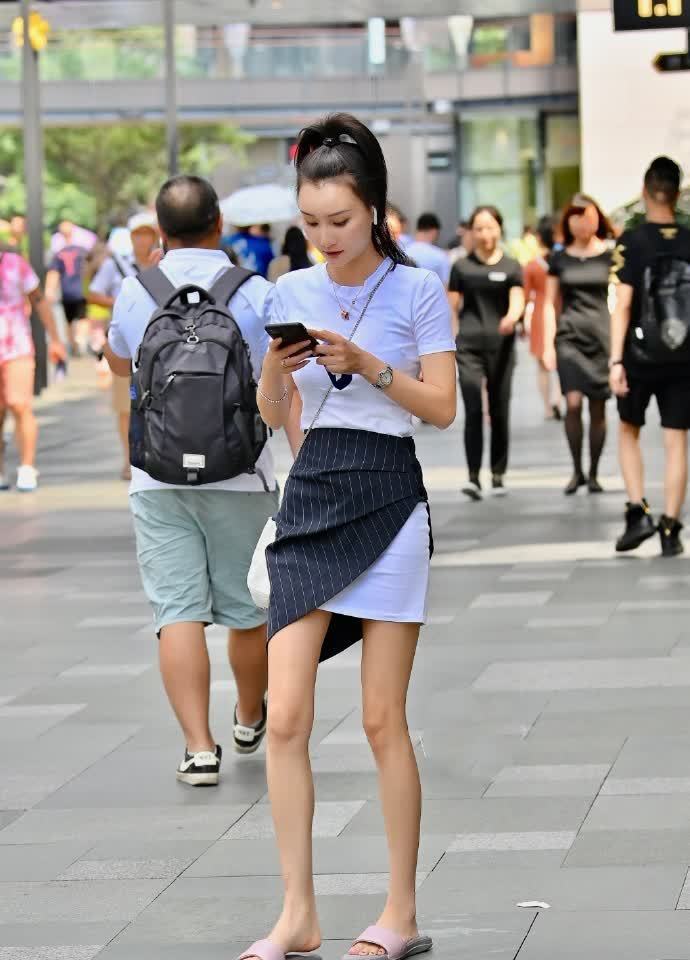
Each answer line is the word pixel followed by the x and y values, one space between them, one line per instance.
pixel 228 283
pixel 155 282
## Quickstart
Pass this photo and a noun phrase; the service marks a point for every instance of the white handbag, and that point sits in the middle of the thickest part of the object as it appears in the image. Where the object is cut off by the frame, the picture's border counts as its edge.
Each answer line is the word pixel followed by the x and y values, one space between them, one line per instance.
pixel 258 580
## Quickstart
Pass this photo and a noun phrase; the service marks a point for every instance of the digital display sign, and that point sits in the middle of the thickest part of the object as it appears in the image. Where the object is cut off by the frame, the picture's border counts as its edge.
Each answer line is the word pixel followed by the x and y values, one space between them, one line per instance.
pixel 651 14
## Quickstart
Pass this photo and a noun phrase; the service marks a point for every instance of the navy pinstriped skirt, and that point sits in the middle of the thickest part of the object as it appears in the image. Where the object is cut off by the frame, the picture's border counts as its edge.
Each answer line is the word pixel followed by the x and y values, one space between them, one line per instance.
pixel 347 497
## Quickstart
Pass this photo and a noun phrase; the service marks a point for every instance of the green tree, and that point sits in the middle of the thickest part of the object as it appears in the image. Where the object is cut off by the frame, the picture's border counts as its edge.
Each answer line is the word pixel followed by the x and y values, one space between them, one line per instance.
pixel 96 174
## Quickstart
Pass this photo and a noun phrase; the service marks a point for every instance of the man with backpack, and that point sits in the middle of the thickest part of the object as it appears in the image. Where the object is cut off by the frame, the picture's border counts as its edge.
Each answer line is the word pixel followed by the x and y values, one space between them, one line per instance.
pixel 103 292
pixel 203 483
pixel 650 353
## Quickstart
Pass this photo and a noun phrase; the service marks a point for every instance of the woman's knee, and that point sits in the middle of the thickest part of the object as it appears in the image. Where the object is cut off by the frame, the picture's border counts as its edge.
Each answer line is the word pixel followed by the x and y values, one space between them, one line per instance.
pixel 383 723
pixel 290 722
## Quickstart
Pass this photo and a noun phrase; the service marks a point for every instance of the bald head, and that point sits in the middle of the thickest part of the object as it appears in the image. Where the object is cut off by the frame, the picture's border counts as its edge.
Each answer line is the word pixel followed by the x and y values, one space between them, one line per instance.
pixel 188 211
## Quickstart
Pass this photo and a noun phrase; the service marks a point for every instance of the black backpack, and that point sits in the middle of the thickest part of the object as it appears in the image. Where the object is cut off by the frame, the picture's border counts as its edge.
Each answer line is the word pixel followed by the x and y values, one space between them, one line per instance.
pixel 195 418
pixel 662 333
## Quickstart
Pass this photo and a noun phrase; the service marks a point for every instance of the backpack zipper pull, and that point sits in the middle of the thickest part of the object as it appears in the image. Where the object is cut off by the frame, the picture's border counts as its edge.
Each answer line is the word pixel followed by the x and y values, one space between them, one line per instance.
pixel 167 383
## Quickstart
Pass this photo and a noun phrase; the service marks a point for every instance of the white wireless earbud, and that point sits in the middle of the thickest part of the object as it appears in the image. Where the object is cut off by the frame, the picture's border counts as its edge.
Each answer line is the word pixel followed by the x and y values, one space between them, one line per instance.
pixel 376 216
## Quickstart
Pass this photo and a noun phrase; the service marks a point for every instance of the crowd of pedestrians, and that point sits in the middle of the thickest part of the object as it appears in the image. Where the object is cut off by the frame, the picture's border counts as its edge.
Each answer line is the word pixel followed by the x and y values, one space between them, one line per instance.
pixel 349 338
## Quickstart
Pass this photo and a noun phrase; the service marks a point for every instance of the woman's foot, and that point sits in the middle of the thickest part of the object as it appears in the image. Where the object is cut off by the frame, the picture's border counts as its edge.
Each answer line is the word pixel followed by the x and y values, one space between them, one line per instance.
pixel 594 486
pixel 295 934
pixel 576 481
pixel 389 921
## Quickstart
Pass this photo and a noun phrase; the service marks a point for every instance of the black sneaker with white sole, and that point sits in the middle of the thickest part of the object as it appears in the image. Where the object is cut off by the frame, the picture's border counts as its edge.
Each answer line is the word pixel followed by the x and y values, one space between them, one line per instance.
pixel 200 769
pixel 473 488
pixel 248 739
pixel 497 486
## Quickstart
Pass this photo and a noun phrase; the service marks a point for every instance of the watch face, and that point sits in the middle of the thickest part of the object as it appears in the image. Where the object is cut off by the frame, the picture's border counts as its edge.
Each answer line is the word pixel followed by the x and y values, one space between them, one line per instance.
pixel 386 377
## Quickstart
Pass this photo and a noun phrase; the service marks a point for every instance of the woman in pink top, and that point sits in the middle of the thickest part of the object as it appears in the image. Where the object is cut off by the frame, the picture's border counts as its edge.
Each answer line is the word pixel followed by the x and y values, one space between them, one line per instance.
pixel 535 274
pixel 19 285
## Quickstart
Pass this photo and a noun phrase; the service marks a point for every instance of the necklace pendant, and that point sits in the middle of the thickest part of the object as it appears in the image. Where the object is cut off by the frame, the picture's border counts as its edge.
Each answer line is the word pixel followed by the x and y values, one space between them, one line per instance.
pixel 345 314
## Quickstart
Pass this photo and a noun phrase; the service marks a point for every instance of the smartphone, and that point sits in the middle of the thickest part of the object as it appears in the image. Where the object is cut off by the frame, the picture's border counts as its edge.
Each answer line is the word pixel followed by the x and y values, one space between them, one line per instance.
pixel 291 333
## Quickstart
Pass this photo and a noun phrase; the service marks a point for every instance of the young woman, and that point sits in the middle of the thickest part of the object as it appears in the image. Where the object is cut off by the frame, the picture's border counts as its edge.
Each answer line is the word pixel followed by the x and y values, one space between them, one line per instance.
pixel 351 557
pixel 535 273
pixel 486 294
pixel 578 343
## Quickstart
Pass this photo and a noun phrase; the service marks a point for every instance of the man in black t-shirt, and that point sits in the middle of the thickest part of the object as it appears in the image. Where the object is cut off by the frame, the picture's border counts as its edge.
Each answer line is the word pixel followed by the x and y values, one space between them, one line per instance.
pixel 642 365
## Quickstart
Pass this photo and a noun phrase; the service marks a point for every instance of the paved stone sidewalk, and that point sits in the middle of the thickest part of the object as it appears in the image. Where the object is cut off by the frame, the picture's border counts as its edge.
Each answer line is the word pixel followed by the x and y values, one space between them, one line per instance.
pixel 550 711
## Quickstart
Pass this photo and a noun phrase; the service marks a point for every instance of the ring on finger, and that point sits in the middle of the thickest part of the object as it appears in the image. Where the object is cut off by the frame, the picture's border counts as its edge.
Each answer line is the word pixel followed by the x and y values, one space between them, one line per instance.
pixel 282 362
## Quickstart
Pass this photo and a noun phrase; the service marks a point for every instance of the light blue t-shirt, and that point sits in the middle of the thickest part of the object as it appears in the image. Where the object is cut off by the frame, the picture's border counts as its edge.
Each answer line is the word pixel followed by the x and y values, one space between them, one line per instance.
pixel 109 276
pixel 251 308
pixel 429 257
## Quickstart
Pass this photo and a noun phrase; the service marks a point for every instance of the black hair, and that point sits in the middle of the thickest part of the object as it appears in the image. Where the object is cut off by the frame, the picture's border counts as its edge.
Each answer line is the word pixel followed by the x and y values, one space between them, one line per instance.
pixel 546 231
pixel 340 145
pixel 187 208
pixel 662 180
pixel 295 247
pixel 576 207
pixel 428 221
pixel 486 208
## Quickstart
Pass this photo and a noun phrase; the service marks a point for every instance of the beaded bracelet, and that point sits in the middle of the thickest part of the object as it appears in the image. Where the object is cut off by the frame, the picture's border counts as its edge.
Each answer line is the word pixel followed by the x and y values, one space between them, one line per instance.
pixel 268 399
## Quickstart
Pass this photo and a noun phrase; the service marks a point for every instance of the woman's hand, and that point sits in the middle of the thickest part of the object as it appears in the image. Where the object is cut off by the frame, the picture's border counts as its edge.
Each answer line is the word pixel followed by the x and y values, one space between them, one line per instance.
pixel 618 380
pixel 339 355
pixel 549 358
pixel 507 326
pixel 286 360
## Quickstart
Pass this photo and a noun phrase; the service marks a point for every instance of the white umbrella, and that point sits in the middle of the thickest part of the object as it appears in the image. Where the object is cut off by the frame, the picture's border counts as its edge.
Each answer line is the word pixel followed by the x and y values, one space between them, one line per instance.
pixel 266 203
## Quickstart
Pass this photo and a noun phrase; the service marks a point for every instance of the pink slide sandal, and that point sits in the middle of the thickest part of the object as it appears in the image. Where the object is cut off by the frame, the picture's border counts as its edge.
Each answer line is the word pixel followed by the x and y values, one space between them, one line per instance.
pixel 396 947
pixel 266 950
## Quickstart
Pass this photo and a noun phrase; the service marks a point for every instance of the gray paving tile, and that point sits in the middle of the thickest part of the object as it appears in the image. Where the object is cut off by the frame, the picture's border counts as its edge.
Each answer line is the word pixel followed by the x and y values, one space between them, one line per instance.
pixel 106 670
pixel 97 623
pixel 575 623
pixel 629 848
pixel 601 935
pixel 637 786
pixel 637 813
pixel 491 815
pixel 103 900
pixel 592 888
pixel 87 869
pixel 527 840
pixel 72 952
pixel 531 598
pixel 43 861
pixel 585 674
pixel 101 825
pixel 330 819
pixel 20 711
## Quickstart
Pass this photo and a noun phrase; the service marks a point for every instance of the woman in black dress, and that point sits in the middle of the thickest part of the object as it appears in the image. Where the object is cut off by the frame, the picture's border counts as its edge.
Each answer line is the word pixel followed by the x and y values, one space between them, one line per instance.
pixel 578 341
pixel 487 297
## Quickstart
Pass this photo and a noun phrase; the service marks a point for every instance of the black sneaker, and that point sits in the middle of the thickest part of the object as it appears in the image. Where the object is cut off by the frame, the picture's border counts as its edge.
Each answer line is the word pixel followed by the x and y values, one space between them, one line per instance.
pixel 497 486
pixel 200 769
pixel 248 739
pixel 473 488
pixel 639 526
pixel 669 531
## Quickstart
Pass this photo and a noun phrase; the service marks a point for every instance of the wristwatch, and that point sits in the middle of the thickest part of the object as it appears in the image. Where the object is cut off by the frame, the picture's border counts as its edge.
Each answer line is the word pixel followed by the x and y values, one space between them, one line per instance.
pixel 615 363
pixel 384 379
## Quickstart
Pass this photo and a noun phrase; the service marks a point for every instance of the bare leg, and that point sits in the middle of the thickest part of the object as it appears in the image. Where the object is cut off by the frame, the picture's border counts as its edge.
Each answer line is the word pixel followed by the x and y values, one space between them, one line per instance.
pixel 293 656
pixel 630 456
pixel 26 433
pixel 388 655
pixel 186 673
pixel 544 384
pixel 123 430
pixel 676 471
pixel 249 662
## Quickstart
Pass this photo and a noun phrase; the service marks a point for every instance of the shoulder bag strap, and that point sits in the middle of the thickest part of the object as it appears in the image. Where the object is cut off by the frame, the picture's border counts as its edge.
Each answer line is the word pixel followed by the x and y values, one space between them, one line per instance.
pixel 351 337
pixel 228 283
pixel 155 282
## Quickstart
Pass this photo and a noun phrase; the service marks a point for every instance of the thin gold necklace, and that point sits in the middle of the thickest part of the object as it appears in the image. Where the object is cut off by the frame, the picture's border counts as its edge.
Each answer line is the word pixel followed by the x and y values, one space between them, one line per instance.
pixel 344 312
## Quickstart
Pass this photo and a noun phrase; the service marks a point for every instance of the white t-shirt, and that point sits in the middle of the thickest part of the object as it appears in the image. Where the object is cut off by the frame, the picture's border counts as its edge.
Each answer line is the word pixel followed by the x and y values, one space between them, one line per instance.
pixel 429 257
pixel 408 318
pixel 251 308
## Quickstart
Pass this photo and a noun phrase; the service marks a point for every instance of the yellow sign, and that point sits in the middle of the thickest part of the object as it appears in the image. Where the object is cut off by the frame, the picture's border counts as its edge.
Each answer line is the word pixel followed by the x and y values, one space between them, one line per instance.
pixel 651 14
pixel 39 31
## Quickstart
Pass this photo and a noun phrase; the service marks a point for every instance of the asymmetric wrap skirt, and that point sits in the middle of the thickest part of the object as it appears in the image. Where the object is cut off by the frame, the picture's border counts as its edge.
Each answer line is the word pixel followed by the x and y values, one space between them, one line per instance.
pixel 353 535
